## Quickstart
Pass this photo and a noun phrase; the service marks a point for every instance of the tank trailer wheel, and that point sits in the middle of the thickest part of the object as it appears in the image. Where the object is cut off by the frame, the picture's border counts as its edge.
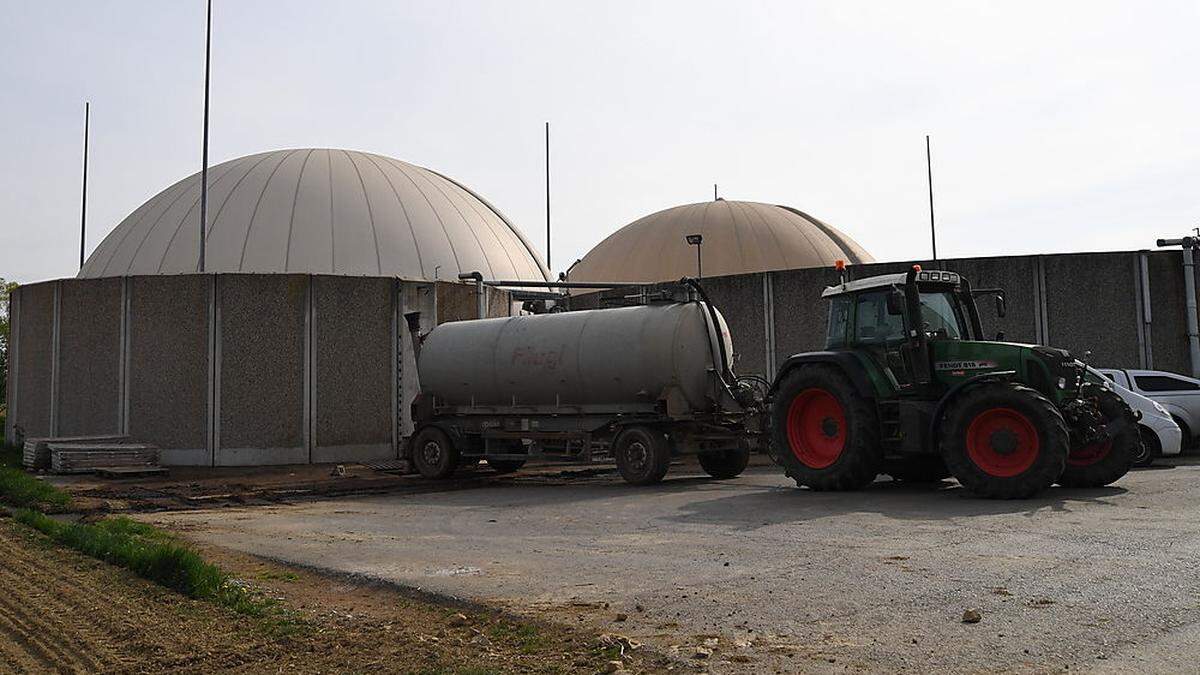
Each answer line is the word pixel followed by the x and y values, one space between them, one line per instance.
pixel 824 434
pixel 434 454
pixel 1151 447
pixel 724 464
pixel 918 469
pixel 1004 441
pixel 1099 464
pixel 643 455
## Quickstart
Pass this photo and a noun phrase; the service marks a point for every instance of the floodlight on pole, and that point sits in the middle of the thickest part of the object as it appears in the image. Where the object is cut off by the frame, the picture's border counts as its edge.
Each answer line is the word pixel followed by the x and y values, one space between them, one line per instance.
pixel 697 240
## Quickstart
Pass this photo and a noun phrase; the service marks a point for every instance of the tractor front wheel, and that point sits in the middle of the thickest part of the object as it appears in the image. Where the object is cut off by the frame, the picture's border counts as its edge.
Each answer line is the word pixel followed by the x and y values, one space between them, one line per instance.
pixel 1101 463
pixel 825 434
pixel 1004 441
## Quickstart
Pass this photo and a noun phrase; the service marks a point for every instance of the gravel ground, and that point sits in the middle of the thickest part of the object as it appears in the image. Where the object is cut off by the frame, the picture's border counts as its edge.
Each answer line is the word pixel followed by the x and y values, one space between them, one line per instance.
pixel 753 574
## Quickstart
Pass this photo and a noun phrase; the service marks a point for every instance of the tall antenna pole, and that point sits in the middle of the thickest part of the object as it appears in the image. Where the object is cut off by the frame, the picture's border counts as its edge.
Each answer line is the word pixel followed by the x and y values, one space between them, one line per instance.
pixel 87 114
pixel 715 198
pixel 204 152
pixel 548 267
pixel 929 169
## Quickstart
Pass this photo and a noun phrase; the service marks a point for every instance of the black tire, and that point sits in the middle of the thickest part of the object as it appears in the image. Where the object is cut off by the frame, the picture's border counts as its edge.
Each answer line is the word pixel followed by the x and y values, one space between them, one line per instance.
pixel 917 469
pixel 503 466
pixel 1004 441
pixel 643 455
pixel 824 433
pixel 434 454
pixel 1151 447
pixel 1101 464
pixel 725 464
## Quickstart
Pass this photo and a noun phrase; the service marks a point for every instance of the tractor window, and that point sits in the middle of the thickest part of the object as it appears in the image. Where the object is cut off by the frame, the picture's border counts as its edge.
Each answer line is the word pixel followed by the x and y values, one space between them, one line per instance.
pixel 941 316
pixel 839 318
pixel 872 323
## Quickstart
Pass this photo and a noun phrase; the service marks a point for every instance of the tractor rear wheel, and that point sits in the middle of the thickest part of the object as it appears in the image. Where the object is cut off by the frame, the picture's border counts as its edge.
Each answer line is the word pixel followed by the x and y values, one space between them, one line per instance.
pixel 1099 464
pixel 434 454
pixel 723 464
pixel 1004 441
pixel 643 455
pixel 824 433
pixel 919 469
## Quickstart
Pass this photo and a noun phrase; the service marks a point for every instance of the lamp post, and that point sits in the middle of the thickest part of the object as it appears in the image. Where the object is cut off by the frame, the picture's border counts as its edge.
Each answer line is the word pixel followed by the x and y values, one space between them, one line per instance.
pixel 697 240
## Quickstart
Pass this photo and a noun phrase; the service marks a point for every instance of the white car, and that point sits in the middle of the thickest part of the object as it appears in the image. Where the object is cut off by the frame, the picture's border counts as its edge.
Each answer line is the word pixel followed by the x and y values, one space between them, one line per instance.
pixel 1179 394
pixel 1160 434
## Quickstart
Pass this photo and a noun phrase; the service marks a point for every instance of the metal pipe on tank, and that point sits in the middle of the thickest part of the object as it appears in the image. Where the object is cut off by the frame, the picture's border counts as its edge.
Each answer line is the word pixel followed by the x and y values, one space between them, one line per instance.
pixel 1189 291
pixel 480 293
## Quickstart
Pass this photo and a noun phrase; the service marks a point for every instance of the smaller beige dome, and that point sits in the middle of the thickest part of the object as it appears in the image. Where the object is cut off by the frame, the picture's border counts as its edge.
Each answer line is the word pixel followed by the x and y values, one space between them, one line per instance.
pixel 739 237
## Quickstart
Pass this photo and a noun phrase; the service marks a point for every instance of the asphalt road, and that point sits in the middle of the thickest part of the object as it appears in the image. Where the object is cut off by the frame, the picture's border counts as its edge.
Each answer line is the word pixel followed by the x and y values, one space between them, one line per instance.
pixel 783 578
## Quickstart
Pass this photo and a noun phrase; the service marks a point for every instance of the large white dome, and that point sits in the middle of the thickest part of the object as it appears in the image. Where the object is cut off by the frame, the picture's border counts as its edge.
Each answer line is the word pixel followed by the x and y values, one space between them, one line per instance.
pixel 319 211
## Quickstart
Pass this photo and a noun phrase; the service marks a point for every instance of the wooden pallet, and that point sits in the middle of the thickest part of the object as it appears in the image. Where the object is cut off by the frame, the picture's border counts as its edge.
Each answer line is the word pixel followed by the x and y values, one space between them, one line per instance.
pixel 36 453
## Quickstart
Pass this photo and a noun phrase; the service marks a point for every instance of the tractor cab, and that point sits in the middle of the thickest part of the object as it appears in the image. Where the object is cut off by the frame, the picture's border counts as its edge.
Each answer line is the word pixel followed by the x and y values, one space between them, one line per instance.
pixel 898 320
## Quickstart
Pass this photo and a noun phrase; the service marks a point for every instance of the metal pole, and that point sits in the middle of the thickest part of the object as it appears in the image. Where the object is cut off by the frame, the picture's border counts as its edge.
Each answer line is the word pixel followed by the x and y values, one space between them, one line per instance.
pixel 715 197
pixel 548 267
pixel 204 152
pixel 87 114
pixel 929 170
pixel 699 262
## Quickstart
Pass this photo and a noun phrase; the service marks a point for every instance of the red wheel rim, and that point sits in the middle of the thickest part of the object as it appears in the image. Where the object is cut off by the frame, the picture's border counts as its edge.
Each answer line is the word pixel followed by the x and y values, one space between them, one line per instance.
pixel 816 428
pixel 1002 442
pixel 1090 454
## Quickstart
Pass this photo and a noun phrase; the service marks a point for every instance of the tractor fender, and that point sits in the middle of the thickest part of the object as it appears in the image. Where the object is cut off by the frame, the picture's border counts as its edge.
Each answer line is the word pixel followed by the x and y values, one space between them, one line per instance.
pixel 843 360
pixel 935 419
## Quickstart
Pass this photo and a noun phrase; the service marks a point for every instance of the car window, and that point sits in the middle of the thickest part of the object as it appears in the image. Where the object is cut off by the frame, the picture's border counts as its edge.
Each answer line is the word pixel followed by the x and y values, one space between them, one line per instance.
pixel 873 324
pixel 839 317
pixel 1164 383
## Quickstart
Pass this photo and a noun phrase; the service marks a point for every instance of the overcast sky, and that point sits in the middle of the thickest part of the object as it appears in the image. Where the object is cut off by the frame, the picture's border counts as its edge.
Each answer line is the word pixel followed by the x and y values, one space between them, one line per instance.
pixel 1056 126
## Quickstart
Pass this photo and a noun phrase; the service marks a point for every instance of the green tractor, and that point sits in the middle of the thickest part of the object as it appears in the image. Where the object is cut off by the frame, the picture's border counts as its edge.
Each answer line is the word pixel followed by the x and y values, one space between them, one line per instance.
pixel 908 386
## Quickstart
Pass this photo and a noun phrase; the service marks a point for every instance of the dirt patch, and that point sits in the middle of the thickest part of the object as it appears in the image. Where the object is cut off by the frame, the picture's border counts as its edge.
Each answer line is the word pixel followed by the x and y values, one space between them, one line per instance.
pixel 62 611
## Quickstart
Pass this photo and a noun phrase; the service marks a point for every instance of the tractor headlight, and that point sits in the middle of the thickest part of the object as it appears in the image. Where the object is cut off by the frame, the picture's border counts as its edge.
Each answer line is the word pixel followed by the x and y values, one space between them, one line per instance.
pixel 1062 383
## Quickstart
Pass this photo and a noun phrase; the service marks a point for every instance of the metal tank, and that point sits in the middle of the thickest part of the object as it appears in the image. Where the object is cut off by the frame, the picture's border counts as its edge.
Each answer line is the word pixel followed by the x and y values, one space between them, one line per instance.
pixel 608 360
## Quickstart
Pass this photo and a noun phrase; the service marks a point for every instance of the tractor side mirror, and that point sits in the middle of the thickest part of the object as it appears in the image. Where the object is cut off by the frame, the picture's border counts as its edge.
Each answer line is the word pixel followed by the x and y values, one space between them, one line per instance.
pixel 1001 306
pixel 895 303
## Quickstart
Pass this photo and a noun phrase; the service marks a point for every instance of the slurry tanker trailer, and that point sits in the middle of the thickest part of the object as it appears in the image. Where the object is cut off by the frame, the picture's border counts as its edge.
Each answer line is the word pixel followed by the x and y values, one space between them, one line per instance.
pixel 907 386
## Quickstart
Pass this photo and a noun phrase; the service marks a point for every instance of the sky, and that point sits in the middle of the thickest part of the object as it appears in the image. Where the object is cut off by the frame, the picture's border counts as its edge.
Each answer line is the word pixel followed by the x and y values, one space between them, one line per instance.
pixel 1065 126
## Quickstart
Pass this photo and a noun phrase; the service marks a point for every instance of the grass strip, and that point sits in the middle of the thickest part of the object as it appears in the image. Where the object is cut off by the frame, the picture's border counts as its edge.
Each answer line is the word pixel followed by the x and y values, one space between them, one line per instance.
pixel 155 555
pixel 18 488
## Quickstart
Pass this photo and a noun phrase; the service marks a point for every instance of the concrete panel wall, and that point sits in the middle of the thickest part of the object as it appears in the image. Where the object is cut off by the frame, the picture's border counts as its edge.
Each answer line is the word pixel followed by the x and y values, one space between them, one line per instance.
pixel 1168 312
pixel 801 316
pixel 1091 304
pixel 352 357
pixel 35 359
pixel 1016 276
pixel 261 363
pixel 459 302
pixel 169 366
pixel 740 300
pixel 90 360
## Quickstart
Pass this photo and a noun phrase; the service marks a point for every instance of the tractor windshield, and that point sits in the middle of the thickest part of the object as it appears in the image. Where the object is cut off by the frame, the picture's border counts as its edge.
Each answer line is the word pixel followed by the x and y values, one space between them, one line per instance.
pixel 942 316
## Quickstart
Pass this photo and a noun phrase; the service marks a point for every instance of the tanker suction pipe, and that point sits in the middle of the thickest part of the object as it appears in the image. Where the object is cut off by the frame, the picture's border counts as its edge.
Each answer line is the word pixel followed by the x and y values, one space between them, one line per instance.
pixel 480 293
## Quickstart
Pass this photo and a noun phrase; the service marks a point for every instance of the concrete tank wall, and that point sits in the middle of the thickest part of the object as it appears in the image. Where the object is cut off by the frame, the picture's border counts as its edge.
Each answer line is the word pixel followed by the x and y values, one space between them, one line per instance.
pixel 34 361
pixel 90 357
pixel 352 358
pixel 168 365
pixel 261 357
